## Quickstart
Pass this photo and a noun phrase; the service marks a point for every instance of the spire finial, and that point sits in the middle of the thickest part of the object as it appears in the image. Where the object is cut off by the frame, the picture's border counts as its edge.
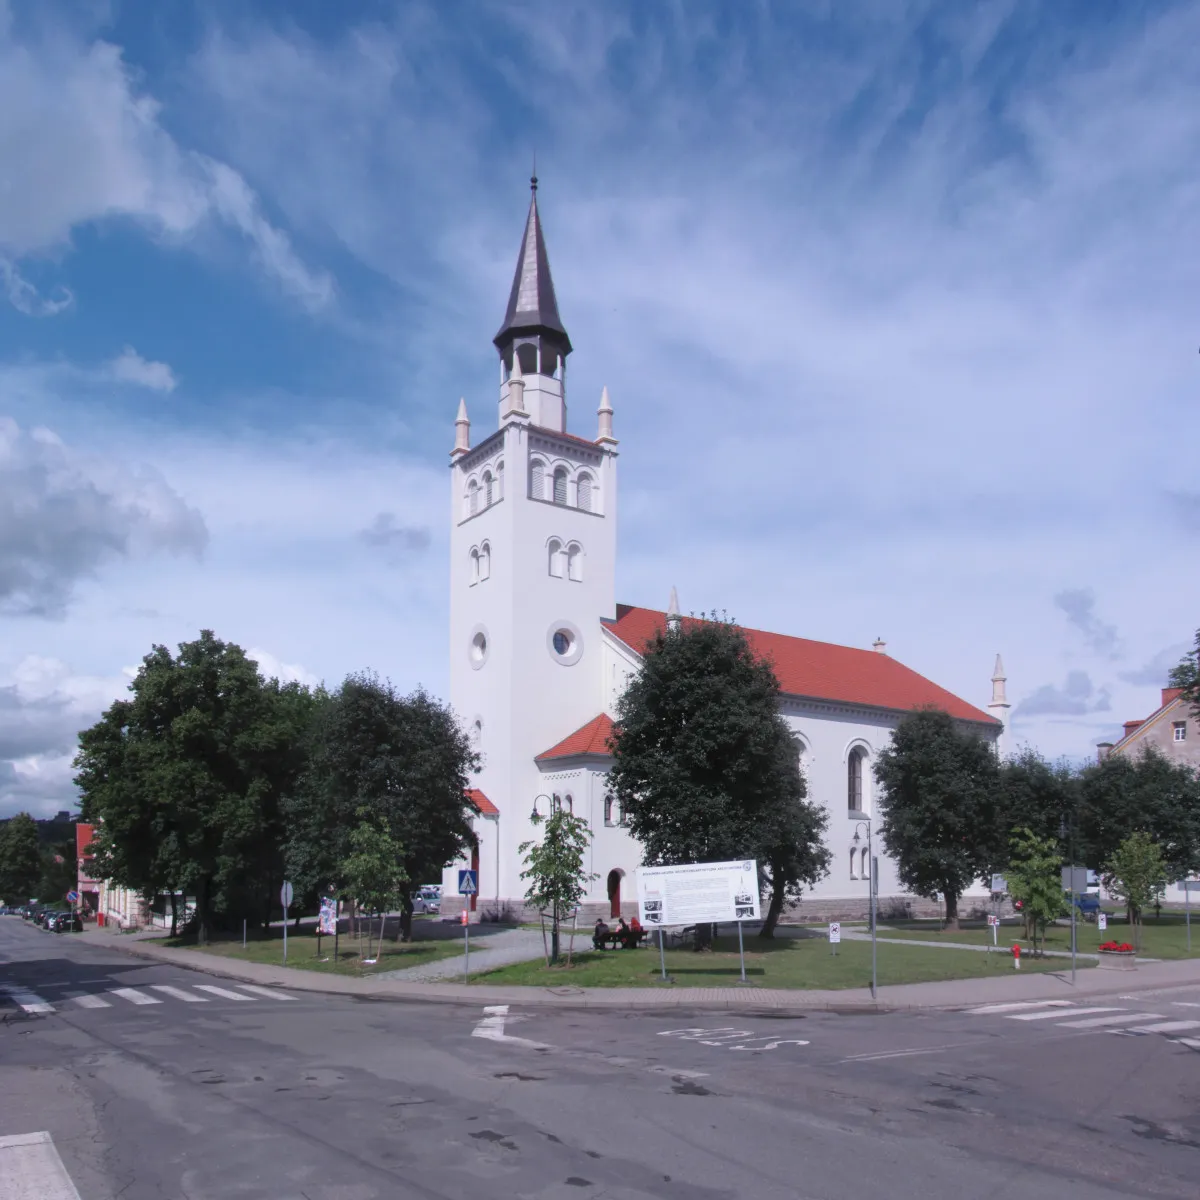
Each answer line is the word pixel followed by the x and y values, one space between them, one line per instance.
pixel 462 431
pixel 533 177
pixel 673 618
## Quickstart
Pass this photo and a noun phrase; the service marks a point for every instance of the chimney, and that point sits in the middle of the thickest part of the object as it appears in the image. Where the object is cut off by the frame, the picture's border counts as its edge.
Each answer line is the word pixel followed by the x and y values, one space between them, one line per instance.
pixel 879 646
pixel 1130 726
pixel 1170 694
pixel 1103 750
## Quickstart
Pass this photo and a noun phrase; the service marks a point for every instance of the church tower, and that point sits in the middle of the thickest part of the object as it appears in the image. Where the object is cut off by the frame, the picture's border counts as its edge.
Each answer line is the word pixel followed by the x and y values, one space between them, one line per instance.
pixel 533 548
pixel 999 706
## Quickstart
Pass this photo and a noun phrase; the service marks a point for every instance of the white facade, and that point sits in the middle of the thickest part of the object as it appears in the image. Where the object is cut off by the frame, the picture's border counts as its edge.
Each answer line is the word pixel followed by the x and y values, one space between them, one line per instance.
pixel 533 652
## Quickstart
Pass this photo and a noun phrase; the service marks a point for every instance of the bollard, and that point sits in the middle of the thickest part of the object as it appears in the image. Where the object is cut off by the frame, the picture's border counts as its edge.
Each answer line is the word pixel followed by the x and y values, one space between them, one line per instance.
pixel 1016 956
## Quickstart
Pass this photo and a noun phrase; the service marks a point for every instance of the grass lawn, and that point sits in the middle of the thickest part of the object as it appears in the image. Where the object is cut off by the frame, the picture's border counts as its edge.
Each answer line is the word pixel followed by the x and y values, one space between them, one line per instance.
pixel 779 963
pixel 302 951
pixel 1162 937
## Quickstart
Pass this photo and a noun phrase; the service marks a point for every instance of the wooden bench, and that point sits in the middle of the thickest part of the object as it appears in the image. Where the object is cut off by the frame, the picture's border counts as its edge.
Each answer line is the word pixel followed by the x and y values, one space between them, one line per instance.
pixel 617 940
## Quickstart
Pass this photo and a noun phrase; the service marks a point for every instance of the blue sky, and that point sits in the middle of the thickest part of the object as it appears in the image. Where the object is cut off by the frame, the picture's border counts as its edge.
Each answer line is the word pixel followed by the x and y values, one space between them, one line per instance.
pixel 898 305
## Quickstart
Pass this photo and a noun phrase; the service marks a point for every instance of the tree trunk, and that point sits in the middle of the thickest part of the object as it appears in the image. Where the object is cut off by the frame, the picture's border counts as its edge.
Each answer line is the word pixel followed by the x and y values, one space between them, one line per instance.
pixel 774 908
pixel 951 910
pixel 174 915
pixel 704 936
pixel 406 916
pixel 203 917
pixel 554 938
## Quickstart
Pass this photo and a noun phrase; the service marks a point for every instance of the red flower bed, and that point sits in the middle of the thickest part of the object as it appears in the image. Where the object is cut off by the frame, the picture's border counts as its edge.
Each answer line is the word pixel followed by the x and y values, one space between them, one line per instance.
pixel 1117 947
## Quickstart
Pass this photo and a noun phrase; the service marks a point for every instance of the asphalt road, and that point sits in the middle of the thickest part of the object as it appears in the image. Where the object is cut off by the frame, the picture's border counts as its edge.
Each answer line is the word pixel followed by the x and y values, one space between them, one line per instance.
pixel 167 1088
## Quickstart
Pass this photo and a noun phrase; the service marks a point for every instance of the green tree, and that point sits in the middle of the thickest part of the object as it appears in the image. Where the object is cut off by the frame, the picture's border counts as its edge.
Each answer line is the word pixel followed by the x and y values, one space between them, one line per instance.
pixel 1034 795
pixel 59 873
pixel 1135 874
pixel 939 784
pixel 20 862
pixel 185 780
pixel 1034 875
pixel 705 768
pixel 554 868
pixel 402 758
pixel 1186 675
pixel 373 870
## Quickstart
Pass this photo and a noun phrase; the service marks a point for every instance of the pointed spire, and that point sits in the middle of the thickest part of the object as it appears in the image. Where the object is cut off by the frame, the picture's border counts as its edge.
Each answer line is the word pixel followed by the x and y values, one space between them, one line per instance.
pixel 462 431
pixel 674 620
pixel 998 673
pixel 606 415
pixel 516 389
pixel 532 305
pixel 999 686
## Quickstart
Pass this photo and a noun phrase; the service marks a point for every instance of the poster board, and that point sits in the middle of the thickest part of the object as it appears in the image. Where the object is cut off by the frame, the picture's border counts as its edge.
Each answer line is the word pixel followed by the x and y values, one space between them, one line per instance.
pixel 697 893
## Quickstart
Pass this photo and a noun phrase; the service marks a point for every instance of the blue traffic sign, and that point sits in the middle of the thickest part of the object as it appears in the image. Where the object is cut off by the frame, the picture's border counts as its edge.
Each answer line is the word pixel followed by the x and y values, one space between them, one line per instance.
pixel 468 883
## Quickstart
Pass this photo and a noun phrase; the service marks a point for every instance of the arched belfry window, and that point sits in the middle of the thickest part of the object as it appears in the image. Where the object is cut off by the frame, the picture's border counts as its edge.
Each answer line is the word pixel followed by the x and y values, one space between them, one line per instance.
pixel 575 561
pixel 500 481
pixel 472 498
pixel 854 779
pixel 560 485
pixel 554 550
pixel 537 484
pixel 585 493
pixel 489 496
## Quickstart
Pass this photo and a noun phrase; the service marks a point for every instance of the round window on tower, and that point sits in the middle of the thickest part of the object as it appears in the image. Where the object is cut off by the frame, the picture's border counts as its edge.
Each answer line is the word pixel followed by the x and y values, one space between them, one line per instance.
pixel 478 647
pixel 565 643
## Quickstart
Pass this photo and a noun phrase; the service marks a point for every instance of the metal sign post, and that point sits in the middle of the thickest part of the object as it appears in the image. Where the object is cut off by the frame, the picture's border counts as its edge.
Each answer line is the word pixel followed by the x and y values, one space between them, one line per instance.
pixel 285 898
pixel 835 936
pixel 466 924
pixel 741 951
pixel 662 954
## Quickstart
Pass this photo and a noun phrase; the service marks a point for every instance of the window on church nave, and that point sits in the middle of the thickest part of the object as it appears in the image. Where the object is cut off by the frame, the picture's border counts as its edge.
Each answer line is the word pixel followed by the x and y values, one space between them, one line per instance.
pixel 554 550
pixel 575 561
pixel 854 781
pixel 864 865
pixel 853 863
pixel 485 561
pixel 474 566
pixel 584 493
pixel 560 485
pixel 608 810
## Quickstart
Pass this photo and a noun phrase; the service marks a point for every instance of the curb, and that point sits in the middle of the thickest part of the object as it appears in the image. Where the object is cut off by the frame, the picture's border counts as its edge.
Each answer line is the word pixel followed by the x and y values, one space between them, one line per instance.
pixel 750 1002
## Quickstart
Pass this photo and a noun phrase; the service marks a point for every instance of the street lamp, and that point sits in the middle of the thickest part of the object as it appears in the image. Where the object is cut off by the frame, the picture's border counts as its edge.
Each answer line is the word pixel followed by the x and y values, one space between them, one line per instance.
pixel 870 893
pixel 1067 833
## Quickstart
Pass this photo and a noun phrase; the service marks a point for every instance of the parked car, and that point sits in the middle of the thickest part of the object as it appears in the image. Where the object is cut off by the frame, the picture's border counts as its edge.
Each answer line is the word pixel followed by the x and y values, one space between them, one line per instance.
pixel 428 899
pixel 67 922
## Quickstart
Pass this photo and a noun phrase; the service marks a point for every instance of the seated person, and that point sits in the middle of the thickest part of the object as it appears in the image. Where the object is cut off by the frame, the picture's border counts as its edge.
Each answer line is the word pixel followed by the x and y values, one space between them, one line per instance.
pixel 600 934
pixel 635 928
pixel 623 932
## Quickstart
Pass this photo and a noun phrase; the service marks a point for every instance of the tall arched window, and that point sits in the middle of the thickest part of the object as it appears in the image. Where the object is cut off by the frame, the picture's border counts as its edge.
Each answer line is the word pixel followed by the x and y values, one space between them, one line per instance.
pixel 854 780
pixel 585 493
pixel 500 481
pixel 485 561
pixel 865 866
pixel 474 566
pixel 853 863
pixel 570 804
pixel 560 485
pixel 488 492
pixel 537 485
pixel 608 805
pixel 555 550
pixel 472 497
pixel 575 562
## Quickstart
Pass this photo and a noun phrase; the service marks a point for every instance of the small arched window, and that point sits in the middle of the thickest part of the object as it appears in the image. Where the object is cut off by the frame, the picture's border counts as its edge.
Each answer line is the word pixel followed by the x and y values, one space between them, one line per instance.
pixel 569 804
pixel 477 733
pixel 472 497
pixel 489 497
pixel 500 481
pixel 555 551
pixel 608 809
pixel 474 566
pixel 853 864
pixel 485 561
pixel 585 493
pixel 537 484
pixel 865 866
pixel 854 780
pixel 560 485
pixel 575 562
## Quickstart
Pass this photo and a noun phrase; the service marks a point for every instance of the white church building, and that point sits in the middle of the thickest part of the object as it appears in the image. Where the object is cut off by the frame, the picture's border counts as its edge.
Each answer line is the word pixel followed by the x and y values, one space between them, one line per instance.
pixel 540 650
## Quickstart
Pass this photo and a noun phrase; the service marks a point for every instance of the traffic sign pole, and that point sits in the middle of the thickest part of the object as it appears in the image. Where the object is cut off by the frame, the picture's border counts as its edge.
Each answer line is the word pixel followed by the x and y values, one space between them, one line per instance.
pixel 285 898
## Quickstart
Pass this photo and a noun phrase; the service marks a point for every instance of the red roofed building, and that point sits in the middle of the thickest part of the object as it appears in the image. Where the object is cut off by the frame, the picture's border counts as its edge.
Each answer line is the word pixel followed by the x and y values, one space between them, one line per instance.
pixel 540 651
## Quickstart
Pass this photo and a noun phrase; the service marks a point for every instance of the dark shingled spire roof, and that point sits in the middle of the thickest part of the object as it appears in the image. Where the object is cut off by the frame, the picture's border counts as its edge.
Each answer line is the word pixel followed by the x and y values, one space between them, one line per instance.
pixel 532 307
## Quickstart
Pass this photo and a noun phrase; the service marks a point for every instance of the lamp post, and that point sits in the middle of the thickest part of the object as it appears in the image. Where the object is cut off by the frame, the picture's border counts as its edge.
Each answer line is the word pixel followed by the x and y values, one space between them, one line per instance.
pixel 1066 832
pixel 534 818
pixel 870 895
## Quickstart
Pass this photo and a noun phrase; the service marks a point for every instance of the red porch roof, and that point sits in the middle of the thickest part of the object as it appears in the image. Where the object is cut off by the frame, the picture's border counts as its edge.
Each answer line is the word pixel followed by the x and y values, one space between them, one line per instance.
pixel 481 803
pixel 592 738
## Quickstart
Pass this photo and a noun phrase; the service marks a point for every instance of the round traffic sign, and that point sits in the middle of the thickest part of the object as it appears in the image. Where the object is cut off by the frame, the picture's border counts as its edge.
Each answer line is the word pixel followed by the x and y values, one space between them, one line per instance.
pixel 285 894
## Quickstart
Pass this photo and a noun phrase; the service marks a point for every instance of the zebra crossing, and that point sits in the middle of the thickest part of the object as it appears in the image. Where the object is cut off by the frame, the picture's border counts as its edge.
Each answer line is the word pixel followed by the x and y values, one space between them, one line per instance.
pixel 1101 1018
pixel 136 997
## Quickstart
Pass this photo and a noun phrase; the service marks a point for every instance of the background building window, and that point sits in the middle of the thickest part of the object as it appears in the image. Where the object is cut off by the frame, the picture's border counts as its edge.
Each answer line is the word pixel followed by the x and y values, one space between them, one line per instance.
pixel 854 780
pixel 555 552
pixel 560 485
pixel 1181 731
pixel 585 493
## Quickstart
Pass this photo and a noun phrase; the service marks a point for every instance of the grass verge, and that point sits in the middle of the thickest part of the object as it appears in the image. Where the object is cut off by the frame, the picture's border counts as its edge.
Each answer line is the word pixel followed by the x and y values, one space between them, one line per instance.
pixel 778 963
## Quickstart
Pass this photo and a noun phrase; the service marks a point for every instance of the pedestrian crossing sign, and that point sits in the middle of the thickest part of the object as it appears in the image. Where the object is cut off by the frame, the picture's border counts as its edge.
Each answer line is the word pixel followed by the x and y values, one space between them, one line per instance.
pixel 468 883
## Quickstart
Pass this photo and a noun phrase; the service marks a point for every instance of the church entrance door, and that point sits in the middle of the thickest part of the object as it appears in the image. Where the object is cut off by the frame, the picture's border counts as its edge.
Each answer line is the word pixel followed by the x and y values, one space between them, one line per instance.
pixel 614 893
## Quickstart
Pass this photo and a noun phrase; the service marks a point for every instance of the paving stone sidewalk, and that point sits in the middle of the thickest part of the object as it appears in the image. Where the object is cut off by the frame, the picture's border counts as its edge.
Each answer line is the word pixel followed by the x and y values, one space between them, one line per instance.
pixel 959 993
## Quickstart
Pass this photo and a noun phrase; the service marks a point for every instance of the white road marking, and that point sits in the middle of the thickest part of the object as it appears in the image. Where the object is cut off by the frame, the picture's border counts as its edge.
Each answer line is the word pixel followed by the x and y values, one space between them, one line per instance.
pixel 179 994
pixel 224 993
pixel 1192 1043
pixel 31 1169
pixel 492 1028
pixel 1049 1016
pixel 31 1002
pixel 1016 1006
pixel 270 993
pixel 903 1053
pixel 1184 1004
pixel 1097 1022
pixel 91 1002
pixel 1166 1027
pixel 134 996
pixel 771 1045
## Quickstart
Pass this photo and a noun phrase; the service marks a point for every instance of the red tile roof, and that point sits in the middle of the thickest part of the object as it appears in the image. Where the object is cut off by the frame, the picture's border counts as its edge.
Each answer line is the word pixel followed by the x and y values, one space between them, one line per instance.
pixel 591 739
pixel 481 803
pixel 821 670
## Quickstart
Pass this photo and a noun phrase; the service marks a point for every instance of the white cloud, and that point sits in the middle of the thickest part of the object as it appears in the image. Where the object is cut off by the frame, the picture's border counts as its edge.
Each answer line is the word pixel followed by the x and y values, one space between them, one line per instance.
pixel 271 668
pixel 91 147
pixel 130 367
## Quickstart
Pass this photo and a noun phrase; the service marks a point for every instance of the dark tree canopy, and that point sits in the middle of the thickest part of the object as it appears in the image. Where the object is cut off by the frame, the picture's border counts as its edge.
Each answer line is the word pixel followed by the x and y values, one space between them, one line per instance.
pixel 1186 675
pixel 402 759
pixel 20 862
pixel 939 787
pixel 1033 795
pixel 705 768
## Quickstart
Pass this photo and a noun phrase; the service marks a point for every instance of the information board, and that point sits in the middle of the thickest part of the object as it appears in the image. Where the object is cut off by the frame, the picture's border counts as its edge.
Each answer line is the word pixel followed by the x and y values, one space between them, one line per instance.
pixel 698 893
